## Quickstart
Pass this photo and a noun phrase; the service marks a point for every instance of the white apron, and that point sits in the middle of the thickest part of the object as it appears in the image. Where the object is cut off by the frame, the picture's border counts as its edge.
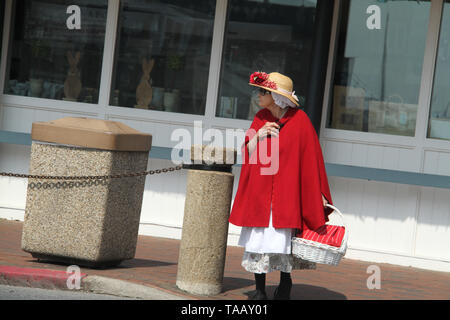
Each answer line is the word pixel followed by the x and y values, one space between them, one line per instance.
pixel 266 240
pixel 269 249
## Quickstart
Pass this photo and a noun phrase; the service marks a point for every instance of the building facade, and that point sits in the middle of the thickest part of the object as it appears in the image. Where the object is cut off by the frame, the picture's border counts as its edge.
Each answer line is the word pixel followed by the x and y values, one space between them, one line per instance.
pixel 372 76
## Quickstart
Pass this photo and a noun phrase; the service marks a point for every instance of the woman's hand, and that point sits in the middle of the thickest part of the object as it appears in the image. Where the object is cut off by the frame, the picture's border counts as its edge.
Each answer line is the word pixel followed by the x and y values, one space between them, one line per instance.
pixel 268 129
pixel 324 201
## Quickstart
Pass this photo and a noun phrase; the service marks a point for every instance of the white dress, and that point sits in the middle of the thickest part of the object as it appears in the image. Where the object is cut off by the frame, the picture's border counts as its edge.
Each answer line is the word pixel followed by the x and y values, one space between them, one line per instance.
pixel 269 249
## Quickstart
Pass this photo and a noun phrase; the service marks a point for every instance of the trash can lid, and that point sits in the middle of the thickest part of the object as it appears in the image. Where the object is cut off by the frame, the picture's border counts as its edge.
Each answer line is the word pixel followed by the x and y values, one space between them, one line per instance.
pixel 91 133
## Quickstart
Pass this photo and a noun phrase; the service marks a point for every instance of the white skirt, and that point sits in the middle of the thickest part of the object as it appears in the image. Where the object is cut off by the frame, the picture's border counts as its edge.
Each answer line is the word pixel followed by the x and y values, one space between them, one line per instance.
pixel 266 240
pixel 268 249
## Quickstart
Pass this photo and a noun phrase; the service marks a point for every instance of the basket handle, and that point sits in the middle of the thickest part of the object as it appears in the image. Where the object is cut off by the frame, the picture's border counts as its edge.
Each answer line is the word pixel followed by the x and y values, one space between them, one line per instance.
pixel 338 211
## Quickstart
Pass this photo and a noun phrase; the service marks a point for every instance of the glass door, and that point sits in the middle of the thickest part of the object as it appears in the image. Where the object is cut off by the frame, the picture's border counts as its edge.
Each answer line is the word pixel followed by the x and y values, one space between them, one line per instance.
pixel 2 14
pixel 439 116
pixel 269 36
pixel 380 54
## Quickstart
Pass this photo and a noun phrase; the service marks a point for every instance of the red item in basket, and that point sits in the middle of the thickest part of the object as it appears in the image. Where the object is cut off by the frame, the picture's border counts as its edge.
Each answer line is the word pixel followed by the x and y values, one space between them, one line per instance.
pixel 326 234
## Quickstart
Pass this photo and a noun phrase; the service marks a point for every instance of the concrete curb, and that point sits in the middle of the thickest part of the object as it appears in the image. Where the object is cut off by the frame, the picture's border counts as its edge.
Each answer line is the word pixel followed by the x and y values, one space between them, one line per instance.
pixel 56 279
pixel 103 285
pixel 37 278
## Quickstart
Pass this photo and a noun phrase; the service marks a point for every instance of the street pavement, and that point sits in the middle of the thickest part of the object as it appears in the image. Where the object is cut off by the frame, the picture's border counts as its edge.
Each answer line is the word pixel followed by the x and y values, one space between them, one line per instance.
pixel 26 293
pixel 152 273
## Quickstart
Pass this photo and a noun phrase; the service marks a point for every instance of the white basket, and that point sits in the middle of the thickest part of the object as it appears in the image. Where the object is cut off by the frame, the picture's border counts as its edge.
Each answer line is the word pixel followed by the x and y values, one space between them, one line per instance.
pixel 319 252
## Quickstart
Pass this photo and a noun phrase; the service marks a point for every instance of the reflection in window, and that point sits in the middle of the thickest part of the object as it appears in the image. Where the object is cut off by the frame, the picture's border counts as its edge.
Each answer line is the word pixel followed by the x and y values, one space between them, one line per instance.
pixel 267 36
pixel 2 13
pixel 49 59
pixel 439 124
pixel 163 51
pixel 378 70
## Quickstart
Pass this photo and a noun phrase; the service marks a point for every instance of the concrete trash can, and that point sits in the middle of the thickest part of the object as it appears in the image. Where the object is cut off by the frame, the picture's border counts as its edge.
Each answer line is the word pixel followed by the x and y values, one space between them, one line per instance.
pixel 91 223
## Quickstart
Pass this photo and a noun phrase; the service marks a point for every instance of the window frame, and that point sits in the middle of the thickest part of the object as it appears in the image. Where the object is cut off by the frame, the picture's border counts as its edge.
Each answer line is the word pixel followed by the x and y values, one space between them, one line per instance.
pixel 103 109
pixel 420 142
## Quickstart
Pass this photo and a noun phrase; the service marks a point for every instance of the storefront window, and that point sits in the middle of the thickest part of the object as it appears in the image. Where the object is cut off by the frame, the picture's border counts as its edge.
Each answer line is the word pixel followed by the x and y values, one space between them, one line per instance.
pixel 56 49
pixel 269 36
pixel 2 14
pixel 439 122
pixel 163 52
pixel 380 53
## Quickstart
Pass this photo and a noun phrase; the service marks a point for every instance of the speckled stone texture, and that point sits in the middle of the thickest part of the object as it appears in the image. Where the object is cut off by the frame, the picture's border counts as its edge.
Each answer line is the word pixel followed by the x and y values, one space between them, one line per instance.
pixel 94 225
pixel 203 244
pixel 211 155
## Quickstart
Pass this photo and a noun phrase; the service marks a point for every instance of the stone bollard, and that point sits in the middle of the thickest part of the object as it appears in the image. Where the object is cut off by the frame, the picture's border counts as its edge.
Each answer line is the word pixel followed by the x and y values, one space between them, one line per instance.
pixel 201 260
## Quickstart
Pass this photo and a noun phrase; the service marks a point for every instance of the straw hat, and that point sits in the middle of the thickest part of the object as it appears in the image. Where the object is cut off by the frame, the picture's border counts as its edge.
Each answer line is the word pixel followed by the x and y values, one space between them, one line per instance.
pixel 275 82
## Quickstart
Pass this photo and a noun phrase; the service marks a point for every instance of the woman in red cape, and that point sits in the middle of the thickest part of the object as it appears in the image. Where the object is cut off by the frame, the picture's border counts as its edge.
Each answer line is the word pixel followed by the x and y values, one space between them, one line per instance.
pixel 283 184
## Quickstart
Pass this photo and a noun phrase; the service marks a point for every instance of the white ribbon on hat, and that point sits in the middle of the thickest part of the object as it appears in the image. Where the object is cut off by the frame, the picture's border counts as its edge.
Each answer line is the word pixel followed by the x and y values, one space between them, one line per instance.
pixel 292 94
pixel 282 101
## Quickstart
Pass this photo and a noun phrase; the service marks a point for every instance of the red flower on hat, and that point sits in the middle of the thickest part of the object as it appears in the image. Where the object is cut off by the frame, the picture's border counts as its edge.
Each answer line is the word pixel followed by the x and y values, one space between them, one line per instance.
pixel 262 79
pixel 258 77
pixel 270 84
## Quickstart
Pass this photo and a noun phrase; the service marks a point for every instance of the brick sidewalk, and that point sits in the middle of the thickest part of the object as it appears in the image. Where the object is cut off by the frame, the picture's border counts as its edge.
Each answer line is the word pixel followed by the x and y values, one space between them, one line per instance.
pixel 155 265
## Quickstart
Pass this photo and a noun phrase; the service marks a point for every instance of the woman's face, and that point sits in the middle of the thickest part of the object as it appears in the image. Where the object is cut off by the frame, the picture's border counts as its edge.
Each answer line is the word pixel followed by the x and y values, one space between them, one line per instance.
pixel 265 98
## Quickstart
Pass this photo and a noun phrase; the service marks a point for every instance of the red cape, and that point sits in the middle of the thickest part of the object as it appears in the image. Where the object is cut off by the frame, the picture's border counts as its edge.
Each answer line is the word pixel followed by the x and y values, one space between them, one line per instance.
pixel 295 189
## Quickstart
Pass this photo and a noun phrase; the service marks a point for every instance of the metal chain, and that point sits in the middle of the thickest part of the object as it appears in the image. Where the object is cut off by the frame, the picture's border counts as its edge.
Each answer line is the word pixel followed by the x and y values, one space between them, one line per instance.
pixel 112 176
